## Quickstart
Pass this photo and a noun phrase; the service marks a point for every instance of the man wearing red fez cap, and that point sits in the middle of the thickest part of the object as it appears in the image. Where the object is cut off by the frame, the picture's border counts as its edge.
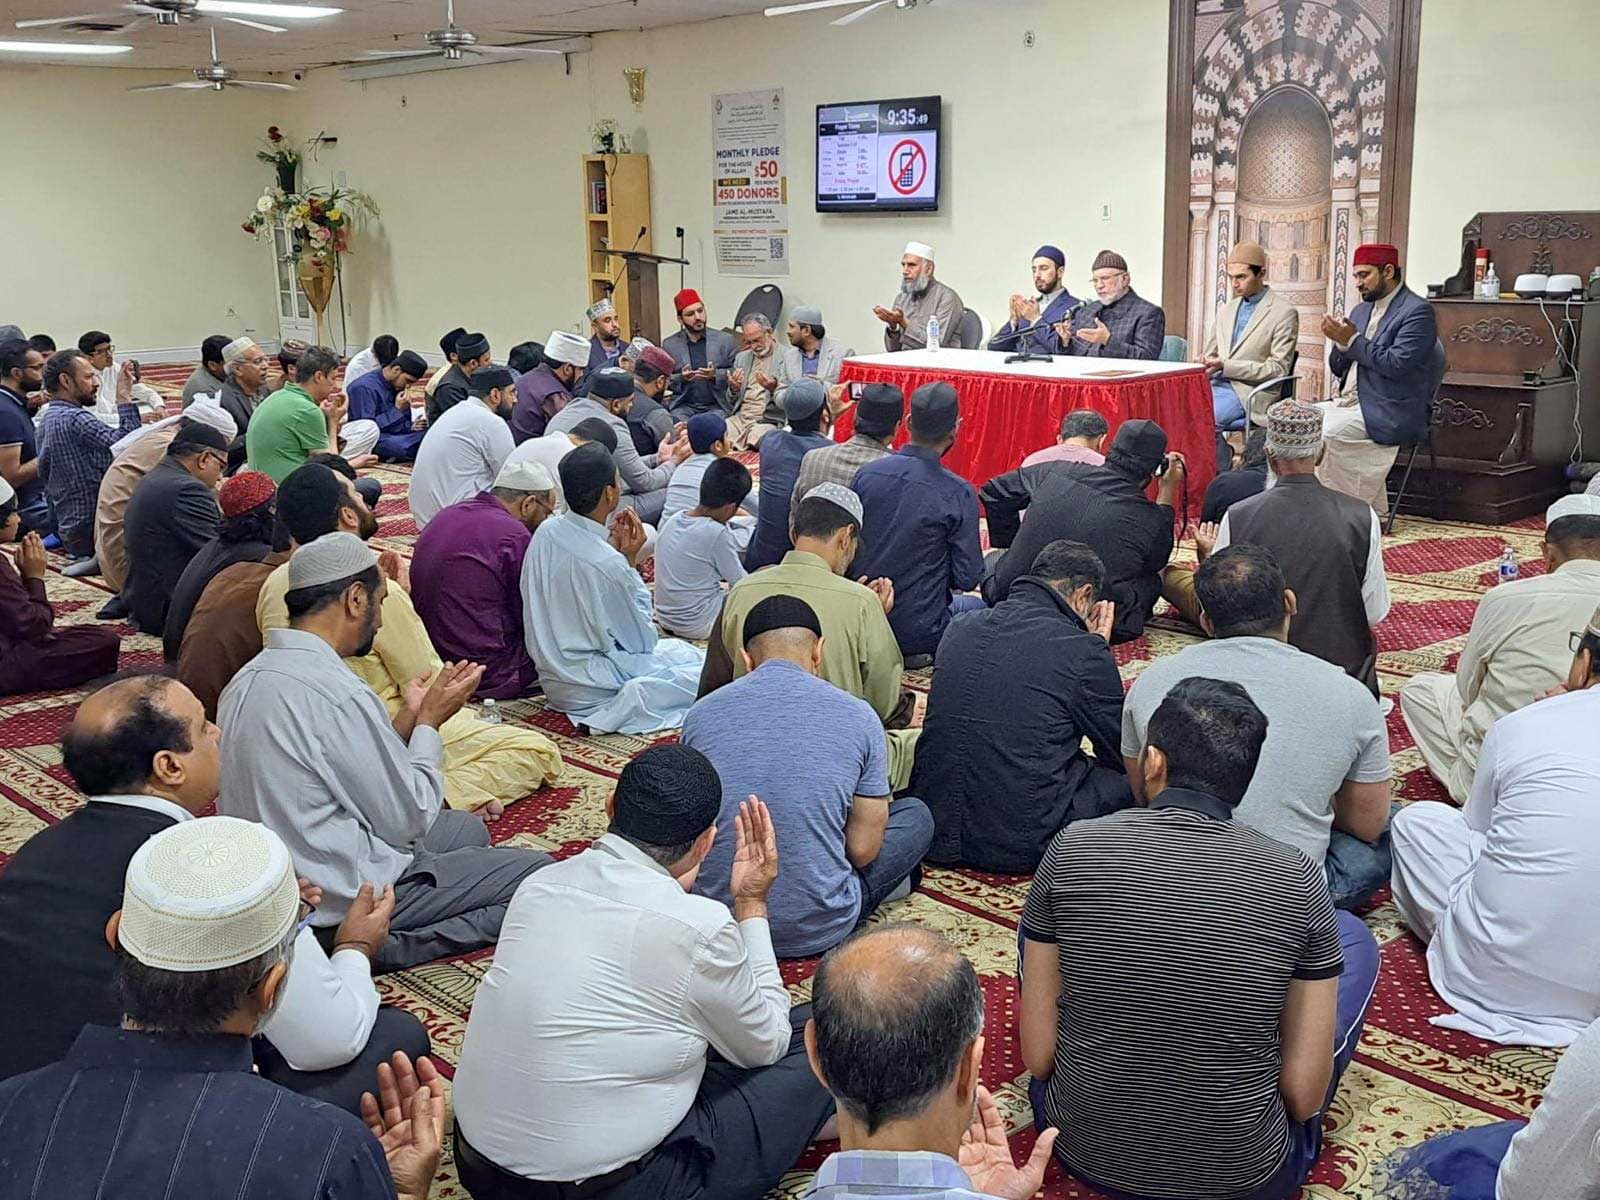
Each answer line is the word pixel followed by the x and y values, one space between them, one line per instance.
pixel 702 356
pixel 1392 342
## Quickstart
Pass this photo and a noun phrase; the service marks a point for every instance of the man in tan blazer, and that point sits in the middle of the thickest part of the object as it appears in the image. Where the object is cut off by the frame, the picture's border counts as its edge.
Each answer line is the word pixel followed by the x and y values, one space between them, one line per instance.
pixel 1251 342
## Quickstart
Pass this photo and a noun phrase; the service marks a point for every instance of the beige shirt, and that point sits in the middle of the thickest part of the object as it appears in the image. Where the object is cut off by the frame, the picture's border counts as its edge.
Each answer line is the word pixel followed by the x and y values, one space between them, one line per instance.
pixel 940 300
pixel 111 505
pixel 1518 646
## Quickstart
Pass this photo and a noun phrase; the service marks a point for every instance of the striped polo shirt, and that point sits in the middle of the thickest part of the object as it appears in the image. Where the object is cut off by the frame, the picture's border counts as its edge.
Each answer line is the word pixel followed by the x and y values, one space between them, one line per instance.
pixel 1179 931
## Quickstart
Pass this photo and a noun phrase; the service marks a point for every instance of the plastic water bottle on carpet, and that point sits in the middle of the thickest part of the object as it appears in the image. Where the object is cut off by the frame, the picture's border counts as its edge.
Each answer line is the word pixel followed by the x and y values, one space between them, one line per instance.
pixel 489 714
pixel 1508 565
pixel 933 333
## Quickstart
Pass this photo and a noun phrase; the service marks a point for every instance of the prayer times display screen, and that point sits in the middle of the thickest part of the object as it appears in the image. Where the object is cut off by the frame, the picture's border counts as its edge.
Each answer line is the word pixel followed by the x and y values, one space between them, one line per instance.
pixel 878 156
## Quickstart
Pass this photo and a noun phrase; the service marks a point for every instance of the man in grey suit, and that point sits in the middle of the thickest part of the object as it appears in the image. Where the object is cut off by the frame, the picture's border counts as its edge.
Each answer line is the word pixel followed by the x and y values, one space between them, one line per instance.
pixel 704 357
pixel 1391 340
pixel 812 353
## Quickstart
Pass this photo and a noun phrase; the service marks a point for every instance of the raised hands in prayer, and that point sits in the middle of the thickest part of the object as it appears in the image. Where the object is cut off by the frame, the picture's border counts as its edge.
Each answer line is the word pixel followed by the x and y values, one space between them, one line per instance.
pixel 736 379
pixel 1338 330
pixel 1096 334
pixel 366 925
pixel 1205 538
pixel 985 1155
pixel 396 568
pixel 884 588
pixel 893 317
pixel 770 382
pixel 1101 617
pixel 433 700
pixel 334 407
pixel 627 534
pixel 407 1118
pixel 31 561
pixel 755 859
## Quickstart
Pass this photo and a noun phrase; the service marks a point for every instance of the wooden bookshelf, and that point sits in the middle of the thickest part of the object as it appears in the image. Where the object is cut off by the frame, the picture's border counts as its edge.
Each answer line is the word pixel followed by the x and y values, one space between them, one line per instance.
pixel 616 203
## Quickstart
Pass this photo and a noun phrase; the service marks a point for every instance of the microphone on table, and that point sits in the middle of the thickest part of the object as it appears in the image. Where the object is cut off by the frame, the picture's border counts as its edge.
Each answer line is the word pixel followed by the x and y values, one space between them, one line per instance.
pixel 1024 354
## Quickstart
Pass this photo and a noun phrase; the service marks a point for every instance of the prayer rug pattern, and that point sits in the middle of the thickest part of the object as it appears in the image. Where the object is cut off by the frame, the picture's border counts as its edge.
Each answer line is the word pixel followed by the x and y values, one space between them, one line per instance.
pixel 1409 1079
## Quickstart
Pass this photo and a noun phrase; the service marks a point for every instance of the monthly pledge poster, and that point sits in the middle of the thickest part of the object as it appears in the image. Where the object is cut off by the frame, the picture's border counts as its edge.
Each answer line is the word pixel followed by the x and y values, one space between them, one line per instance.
pixel 749 184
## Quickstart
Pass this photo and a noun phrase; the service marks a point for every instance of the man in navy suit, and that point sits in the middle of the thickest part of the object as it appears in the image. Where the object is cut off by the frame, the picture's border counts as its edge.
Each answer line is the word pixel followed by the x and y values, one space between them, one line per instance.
pixel 1392 342
pixel 1042 311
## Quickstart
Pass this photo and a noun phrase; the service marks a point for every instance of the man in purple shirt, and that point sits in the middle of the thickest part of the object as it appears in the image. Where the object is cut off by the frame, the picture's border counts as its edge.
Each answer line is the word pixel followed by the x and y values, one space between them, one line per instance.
pixel 466 576
pixel 1082 440
pixel 545 390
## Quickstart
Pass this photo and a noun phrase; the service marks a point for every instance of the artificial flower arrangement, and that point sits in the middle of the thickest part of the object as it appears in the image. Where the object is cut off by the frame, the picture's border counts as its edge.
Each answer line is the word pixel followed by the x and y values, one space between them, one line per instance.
pixel 318 220
pixel 281 156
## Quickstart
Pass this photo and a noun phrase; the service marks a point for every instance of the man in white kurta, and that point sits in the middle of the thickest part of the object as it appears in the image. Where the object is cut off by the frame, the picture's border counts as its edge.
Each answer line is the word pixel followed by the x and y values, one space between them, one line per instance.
pixel 1505 891
pixel 1516 652
pixel 465 448
pixel 587 615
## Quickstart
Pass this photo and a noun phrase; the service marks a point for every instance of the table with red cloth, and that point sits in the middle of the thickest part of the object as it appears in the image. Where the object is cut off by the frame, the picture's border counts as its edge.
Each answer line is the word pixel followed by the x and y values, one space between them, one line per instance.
pixel 1010 410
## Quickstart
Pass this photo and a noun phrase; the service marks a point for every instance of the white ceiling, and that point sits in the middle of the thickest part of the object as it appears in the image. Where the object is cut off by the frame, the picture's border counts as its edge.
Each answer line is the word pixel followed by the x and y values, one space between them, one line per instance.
pixel 364 25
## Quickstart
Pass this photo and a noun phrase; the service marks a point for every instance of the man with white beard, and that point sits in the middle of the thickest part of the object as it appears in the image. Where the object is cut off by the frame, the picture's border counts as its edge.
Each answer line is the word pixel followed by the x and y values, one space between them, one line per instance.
pixel 921 297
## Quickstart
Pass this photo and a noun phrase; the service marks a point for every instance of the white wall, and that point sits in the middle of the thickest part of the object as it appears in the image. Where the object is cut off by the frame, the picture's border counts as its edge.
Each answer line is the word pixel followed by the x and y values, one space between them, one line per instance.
pixel 1507 99
pixel 485 228
pixel 477 172
pixel 121 211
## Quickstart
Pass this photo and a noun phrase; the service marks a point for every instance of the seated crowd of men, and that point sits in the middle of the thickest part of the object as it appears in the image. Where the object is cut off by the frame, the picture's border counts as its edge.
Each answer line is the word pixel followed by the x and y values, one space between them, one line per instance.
pixel 1237 799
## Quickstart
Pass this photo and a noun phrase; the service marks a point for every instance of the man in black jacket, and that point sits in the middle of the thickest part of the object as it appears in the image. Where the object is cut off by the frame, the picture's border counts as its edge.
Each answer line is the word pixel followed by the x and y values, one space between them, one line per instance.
pixel 1000 762
pixel 148 758
pixel 171 514
pixel 1104 507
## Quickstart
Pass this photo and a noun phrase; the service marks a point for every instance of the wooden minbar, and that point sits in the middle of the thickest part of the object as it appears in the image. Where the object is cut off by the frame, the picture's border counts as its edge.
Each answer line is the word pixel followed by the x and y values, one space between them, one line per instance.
pixel 1522 384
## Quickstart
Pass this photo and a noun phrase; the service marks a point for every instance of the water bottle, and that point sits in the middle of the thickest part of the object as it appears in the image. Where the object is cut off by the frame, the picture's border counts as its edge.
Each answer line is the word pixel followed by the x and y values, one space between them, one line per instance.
pixel 933 333
pixel 1491 284
pixel 1508 565
pixel 489 714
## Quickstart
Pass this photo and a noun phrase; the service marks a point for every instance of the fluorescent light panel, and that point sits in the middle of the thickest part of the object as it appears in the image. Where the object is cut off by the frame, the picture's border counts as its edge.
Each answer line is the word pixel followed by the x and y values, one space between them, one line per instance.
pixel 244 8
pixel 60 48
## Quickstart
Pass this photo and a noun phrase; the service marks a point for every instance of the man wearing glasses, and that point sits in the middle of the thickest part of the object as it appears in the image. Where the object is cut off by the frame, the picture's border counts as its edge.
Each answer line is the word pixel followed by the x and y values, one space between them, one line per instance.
pixel 172 513
pixel 1121 323
pixel 1504 889
pixel 466 576
pixel 1516 651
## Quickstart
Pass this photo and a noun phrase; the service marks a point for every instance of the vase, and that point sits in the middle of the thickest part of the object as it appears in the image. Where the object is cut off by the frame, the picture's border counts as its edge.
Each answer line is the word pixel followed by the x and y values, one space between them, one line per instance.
pixel 316 274
pixel 286 176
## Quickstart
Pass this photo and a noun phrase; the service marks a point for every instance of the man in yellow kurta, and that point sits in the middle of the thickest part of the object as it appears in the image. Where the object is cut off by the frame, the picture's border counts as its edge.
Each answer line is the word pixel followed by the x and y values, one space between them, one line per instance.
pixel 486 766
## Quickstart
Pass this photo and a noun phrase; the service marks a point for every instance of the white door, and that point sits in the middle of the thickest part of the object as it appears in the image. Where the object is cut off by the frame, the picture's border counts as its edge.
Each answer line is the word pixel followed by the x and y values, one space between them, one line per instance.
pixel 295 318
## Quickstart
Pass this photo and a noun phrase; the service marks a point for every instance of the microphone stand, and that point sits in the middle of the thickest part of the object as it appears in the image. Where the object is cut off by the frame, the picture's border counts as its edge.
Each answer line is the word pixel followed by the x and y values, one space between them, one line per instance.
pixel 1024 352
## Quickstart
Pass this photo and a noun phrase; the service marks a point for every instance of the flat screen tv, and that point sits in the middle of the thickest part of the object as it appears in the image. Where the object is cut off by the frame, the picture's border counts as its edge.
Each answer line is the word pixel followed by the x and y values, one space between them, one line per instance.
pixel 878 156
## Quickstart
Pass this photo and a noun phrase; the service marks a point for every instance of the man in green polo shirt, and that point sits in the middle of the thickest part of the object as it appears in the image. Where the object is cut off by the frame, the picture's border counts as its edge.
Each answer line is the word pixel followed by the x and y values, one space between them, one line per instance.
pixel 859 651
pixel 298 419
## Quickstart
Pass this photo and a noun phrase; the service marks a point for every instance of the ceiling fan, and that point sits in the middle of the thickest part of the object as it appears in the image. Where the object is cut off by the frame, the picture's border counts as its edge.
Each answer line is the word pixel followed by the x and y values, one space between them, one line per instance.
pixel 176 12
pixel 216 77
pixel 454 42
pixel 783 10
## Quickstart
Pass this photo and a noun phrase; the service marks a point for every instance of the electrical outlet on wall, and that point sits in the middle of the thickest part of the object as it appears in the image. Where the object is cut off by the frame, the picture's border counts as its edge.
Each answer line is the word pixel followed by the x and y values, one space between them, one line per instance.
pixel 1105 212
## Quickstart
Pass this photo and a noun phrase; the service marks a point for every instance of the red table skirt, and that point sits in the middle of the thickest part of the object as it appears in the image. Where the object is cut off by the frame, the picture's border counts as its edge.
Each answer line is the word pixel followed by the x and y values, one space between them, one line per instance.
pixel 1005 418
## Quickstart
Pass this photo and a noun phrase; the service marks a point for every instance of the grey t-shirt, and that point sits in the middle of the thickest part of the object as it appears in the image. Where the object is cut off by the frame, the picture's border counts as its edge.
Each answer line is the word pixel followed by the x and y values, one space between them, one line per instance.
pixel 825 748
pixel 695 556
pixel 1323 727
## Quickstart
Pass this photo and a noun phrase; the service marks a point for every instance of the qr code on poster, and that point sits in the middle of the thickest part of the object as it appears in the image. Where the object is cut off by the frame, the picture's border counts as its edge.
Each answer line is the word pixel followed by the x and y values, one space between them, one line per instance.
pixel 775 248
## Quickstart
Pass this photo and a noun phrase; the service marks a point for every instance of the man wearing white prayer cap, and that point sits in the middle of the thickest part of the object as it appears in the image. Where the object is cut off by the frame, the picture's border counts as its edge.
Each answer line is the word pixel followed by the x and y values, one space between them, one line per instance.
pixel 359 798
pixel 206 944
pixel 466 576
pixel 246 365
pixel 605 336
pixel 545 390
pixel 922 298
pixel 1516 651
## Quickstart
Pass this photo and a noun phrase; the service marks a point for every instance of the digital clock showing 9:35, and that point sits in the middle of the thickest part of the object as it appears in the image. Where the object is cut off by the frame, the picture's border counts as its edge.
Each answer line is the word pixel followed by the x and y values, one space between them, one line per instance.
pixel 909 117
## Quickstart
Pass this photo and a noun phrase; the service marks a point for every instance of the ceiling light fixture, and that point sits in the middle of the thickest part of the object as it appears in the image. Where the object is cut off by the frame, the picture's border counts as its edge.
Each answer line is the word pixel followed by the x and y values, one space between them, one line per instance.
pixel 60 48
pixel 245 8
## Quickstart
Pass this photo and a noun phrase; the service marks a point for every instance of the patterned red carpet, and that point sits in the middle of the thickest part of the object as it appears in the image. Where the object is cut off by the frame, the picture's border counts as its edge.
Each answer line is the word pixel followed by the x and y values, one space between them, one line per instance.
pixel 1409 1079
